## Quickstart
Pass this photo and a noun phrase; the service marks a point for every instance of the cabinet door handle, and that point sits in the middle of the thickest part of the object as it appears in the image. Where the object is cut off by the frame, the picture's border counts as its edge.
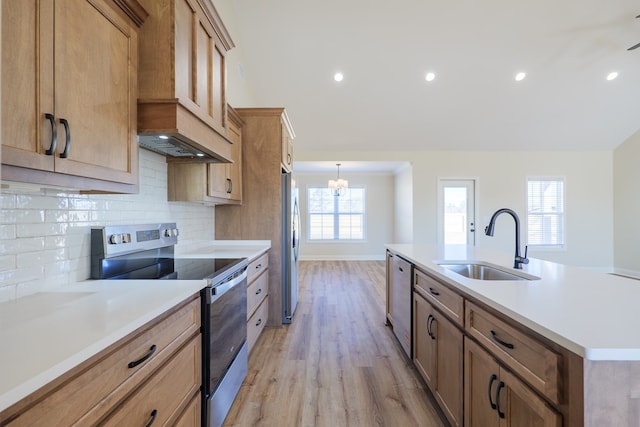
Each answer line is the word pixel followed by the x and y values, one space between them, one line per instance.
pixel 498 390
pixel 499 341
pixel 288 159
pixel 152 418
pixel 259 322
pixel 67 142
pixel 229 186
pixel 259 291
pixel 491 380
pixel 54 134
pixel 430 320
pixel 135 363
pixel 434 292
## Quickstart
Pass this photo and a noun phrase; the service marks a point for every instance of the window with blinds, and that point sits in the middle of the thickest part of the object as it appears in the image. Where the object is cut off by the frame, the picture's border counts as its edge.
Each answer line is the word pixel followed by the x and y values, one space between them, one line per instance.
pixel 545 212
pixel 334 217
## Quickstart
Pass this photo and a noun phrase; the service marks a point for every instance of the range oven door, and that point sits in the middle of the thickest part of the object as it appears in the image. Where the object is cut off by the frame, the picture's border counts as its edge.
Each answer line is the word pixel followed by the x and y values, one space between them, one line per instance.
pixel 224 334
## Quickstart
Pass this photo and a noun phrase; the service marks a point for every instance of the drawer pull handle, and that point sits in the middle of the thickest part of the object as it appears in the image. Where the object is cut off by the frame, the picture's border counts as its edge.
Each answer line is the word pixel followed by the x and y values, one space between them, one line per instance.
pixel 491 380
pixel 434 292
pixel 135 363
pixel 259 322
pixel 498 390
pixel 67 143
pixel 54 132
pixel 259 291
pixel 259 266
pixel 499 341
pixel 152 418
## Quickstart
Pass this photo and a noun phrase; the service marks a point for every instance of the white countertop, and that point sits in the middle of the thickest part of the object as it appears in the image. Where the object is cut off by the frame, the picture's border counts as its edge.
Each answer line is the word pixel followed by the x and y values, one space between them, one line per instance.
pixel 44 335
pixel 595 315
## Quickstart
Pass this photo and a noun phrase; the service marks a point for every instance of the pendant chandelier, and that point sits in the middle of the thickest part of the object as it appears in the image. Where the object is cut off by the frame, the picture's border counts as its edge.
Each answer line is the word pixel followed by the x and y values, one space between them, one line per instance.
pixel 338 185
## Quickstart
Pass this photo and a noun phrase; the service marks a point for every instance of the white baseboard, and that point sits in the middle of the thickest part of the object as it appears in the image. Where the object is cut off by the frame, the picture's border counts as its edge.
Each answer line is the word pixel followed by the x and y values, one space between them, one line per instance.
pixel 632 274
pixel 376 257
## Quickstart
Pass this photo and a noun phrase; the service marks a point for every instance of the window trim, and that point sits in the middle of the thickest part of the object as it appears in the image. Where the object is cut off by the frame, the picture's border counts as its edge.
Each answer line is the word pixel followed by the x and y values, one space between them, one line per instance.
pixel 548 247
pixel 338 240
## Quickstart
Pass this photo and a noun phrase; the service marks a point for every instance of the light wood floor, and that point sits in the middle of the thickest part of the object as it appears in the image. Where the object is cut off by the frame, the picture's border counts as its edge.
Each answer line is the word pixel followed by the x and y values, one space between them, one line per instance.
pixel 337 364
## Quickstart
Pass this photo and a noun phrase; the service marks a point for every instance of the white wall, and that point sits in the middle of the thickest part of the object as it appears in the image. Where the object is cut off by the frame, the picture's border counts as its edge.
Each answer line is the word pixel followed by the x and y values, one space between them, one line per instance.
pixel 501 179
pixel 240 80
pixel 403 206
pixel 627 206
pixel 379 217
pixel 44 233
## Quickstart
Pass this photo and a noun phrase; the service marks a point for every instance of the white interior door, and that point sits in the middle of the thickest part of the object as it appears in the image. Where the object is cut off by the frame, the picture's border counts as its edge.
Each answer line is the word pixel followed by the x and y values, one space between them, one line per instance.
pixel 456 211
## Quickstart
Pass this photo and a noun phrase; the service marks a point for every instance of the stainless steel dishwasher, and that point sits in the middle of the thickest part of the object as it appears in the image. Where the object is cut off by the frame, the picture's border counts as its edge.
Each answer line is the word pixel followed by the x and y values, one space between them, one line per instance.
pixel 400 280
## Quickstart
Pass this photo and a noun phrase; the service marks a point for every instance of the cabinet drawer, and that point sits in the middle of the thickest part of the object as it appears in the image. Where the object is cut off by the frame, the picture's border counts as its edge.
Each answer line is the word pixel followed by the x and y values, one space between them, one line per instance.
pixel 257 267
pixel 95 387
pixel 441 296
pixel 256 323
pixel 256 292
pixel 525 355
pixel 163 397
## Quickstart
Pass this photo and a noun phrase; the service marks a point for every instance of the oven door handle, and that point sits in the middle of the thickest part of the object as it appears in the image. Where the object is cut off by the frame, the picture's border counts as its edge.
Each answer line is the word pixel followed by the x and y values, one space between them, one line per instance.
pixel 217 291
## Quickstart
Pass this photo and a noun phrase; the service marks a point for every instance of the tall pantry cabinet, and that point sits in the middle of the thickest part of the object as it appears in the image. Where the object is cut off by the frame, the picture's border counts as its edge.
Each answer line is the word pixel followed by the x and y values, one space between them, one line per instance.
pixel 267 138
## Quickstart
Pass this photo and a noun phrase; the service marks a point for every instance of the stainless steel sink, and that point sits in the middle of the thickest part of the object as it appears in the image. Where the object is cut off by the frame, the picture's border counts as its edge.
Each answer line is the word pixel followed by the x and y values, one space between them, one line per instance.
pixel 483 271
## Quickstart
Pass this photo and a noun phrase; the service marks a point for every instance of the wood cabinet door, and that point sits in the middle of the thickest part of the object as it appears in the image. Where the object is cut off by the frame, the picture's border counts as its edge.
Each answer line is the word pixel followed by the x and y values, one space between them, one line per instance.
pixel 424 345
pixel 522 407
pixel 449 366
pixel 235 169
pixel 218 180
pixel 480 381
pixel 27 84
pixel 199 65
pixel 287 149
pixel 95 91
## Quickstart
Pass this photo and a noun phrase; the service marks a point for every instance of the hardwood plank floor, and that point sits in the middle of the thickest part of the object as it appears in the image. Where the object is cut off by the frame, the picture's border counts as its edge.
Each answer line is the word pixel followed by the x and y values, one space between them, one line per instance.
pixel 337 364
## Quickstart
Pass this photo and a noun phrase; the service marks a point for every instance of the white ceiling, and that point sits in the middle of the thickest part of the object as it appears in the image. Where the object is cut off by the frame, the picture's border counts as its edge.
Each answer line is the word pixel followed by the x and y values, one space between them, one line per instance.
pixel 292 48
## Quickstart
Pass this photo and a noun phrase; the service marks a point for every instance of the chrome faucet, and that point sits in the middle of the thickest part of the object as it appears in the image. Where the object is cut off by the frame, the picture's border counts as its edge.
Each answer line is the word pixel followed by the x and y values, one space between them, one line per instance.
pixel 488 230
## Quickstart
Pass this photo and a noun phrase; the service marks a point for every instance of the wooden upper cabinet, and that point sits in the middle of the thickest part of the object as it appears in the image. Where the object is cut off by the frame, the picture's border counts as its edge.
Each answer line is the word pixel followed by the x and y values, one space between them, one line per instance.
pixel 69 87
pixel 287 147
pixel 182 76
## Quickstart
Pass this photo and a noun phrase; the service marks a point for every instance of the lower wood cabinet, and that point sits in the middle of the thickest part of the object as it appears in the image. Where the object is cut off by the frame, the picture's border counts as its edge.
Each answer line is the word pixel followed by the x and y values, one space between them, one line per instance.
pixel 484 368
pixel 495 397
pixel 155 367
pixel 257 298
pixel 438 356
pixel 160 400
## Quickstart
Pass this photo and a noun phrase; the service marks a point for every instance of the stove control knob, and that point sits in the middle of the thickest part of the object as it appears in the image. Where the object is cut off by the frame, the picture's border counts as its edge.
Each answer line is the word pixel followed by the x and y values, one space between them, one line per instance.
pixel 126 238
pixel 171 232
pixel 115 239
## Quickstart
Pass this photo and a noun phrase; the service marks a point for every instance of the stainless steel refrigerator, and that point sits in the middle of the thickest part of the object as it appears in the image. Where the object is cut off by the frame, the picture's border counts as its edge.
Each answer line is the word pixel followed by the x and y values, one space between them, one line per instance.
pixel 290 247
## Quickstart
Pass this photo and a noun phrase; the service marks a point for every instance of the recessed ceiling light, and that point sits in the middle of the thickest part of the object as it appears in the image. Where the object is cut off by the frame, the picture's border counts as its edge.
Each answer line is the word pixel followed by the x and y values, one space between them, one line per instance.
pixel 163 137
pixel 520 76
pixel 612 75
pixel 338 77
pixel 429 77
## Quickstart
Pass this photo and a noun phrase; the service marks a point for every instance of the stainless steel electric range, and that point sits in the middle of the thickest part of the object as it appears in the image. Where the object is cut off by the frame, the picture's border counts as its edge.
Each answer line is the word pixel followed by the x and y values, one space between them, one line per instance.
pixel 147 251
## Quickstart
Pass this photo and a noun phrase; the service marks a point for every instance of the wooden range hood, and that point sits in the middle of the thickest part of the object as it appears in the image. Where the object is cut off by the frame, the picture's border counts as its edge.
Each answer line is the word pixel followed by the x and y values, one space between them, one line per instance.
pixel 182 80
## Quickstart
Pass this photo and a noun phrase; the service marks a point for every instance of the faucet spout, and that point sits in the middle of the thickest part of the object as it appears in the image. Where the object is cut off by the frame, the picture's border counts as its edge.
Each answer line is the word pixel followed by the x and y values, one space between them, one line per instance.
pixel 518 259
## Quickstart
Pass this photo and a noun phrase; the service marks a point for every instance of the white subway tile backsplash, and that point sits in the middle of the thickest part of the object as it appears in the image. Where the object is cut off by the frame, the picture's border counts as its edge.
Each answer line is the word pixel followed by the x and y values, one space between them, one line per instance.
pixel 8 230
pixel 45 233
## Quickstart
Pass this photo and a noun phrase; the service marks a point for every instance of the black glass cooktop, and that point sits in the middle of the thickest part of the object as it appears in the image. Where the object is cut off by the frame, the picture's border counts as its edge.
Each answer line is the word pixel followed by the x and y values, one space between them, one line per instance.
pixel 149 266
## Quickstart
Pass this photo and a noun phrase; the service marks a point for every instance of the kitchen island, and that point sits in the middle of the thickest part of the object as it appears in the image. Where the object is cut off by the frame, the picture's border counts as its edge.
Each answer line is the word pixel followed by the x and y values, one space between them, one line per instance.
pixel 588 318
pixel 46 335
